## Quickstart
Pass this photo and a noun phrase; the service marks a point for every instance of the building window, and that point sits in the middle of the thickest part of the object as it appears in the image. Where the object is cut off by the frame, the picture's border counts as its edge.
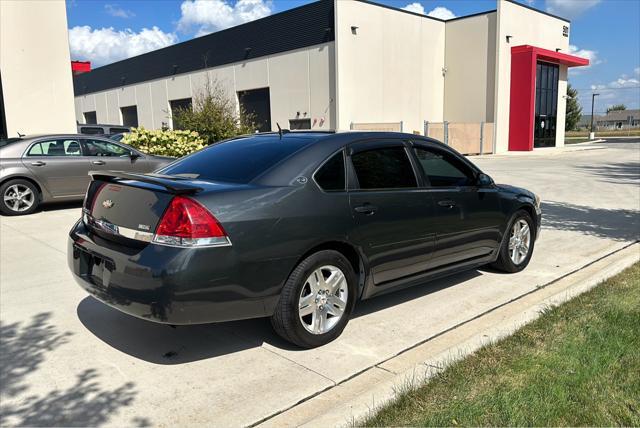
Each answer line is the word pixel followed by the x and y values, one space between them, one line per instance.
pixel 129 116
pixel 90 118
pixel 177 105
pixel 255 104
pixel 546 105
pixel 299 123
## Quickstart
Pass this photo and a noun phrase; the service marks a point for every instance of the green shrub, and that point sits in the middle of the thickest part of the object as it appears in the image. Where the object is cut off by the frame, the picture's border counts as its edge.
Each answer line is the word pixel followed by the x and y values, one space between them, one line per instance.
pixel 214 115
pixel 164 143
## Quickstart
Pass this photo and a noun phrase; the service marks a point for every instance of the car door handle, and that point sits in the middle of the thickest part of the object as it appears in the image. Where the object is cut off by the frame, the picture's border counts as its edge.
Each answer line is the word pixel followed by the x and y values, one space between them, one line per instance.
pixel 367 209
pixel 38 163
pixel 447 203
pixel 98 162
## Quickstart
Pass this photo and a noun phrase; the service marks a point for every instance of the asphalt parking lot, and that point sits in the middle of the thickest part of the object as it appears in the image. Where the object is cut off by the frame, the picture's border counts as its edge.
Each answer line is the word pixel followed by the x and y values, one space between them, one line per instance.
pixel 68 360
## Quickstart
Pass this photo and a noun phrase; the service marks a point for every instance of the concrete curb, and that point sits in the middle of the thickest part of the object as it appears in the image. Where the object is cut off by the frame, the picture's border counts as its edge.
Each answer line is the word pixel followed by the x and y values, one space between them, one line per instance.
pixel 550 151
pixel 355 398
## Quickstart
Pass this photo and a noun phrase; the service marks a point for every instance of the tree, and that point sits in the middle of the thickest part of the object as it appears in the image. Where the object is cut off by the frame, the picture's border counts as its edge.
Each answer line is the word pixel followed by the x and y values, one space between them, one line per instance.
pixel 574 111
pixel 616 107
pixel 213 115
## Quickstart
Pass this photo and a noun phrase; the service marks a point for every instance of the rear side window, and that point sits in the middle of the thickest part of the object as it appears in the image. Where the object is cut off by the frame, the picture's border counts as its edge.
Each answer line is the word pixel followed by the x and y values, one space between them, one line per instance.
pixel 443 169
pixel 384 168
pixel 330 177
pixel 240 160
pixel 103 148
pixel 91 130
pixel 55 148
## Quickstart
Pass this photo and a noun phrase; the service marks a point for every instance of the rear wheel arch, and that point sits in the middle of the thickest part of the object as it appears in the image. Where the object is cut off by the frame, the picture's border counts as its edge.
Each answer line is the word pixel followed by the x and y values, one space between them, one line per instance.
pixel 347 250
pixel 26 178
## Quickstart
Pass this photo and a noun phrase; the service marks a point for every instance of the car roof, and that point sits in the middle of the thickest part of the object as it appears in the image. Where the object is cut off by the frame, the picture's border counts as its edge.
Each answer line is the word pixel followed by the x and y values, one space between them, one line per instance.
pixel 38 136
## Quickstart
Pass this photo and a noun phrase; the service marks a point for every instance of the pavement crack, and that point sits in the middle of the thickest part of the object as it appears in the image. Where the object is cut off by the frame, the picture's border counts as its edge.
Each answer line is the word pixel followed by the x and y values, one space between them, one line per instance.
pixel 386 370
pixel 303 366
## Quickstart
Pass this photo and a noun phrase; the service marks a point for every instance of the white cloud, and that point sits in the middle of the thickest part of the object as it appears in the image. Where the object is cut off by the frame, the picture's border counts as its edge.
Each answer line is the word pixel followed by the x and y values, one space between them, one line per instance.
pixel 637 71
pixel 415 8
pixel 438 12
pixel 624 90
pixel 441 13
pixel 206 16
pixel 118 12
pixel 591 55
pixel 570 8
pixel 105 45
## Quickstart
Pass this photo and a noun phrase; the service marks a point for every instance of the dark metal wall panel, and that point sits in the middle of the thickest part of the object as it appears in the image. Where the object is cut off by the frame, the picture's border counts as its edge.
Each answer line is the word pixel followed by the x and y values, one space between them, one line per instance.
pixel 308 25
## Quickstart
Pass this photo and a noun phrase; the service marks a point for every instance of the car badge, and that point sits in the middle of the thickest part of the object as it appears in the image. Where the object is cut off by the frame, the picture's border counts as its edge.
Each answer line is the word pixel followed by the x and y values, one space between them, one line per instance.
pixel 108 203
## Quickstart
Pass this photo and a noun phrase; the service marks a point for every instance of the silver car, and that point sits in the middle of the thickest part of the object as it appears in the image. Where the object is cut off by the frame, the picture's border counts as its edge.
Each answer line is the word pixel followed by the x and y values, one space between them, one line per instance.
pixel 47 168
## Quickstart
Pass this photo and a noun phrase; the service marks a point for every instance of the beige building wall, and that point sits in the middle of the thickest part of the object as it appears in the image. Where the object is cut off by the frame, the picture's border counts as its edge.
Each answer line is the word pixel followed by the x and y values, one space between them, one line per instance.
pixel 35 66
pixel 470 61
pixel 298 81
pixel 525 27
pixel 390 70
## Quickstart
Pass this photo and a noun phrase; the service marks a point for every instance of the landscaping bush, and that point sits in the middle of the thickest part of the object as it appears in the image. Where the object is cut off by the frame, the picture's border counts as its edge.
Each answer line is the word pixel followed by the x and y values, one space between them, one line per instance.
pixel 164 142
pixel 214 115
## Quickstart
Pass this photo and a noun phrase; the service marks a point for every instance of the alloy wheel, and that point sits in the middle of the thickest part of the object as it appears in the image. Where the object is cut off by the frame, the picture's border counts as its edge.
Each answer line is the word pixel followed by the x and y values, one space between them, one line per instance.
pixel 323 299
pixel 18 198
pixel 519 241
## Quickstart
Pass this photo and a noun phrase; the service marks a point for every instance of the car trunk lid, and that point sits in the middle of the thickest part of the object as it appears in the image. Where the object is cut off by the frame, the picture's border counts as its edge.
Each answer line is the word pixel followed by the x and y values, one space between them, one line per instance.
pixel 126 205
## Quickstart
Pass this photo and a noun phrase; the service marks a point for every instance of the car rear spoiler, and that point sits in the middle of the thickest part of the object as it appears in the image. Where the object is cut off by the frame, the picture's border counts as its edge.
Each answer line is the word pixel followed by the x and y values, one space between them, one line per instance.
pixel 173 184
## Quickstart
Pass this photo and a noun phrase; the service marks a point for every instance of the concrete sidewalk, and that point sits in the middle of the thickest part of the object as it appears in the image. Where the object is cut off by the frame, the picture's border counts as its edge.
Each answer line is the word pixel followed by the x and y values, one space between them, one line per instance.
pixel 69 360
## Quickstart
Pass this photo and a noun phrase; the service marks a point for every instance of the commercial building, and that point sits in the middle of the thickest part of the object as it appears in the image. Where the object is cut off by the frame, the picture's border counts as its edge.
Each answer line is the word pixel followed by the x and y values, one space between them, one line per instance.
pixel 36 88
pixel 493 81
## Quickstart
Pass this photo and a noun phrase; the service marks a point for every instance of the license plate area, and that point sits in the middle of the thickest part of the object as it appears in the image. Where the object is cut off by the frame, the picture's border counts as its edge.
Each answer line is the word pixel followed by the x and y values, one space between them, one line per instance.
pixel 93 267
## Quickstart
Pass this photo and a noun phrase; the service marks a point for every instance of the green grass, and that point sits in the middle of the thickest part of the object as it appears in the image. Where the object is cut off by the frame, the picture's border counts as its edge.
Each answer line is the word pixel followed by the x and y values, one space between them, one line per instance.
pixel 576 365
pixel 606 133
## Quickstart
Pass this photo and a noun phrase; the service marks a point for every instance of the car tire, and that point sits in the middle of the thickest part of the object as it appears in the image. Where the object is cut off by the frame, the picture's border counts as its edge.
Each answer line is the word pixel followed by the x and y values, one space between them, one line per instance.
pixel 508 260
pixel 25 190
pixel 309 330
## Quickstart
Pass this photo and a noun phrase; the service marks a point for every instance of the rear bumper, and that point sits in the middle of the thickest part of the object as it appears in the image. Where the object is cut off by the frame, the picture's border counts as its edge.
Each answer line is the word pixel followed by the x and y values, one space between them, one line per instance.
pixel 162 284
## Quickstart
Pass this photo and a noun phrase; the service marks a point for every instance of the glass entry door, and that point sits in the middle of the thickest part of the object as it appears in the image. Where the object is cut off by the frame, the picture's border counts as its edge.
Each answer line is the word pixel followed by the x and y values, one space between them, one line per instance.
pixel 546 104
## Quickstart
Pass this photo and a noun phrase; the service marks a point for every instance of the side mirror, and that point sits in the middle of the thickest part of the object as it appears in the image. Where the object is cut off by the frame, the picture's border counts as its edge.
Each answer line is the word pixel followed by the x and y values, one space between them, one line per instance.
pixel 133 155
pixel 484 180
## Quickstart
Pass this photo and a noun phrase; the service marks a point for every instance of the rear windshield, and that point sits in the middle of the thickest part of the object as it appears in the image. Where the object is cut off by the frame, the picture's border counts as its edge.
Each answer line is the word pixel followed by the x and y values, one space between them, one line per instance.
pixel 238 161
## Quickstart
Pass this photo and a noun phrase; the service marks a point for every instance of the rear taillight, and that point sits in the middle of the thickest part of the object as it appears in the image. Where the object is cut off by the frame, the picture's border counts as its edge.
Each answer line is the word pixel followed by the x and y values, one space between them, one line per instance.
pixel 186 223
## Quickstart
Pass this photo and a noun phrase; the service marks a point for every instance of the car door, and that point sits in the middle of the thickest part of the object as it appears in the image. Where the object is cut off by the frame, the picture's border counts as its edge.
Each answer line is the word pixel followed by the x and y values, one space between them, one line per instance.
pixel 60 165
pixel 390 210
pixel 107 155
pixel 467 217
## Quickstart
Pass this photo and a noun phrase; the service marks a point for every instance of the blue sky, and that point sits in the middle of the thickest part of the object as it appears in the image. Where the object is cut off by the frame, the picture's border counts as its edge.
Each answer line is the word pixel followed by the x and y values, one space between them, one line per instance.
pixel 606 31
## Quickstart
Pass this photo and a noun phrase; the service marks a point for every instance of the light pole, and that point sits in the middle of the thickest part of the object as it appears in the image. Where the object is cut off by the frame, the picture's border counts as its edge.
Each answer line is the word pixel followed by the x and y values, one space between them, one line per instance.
pixel 593 100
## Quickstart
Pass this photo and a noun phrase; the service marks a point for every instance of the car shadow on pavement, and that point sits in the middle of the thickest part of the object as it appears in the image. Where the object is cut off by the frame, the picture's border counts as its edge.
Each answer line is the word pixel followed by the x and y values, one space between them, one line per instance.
pixel 24 350
pixel 58 206
pixel 163 344
pixel 615 224
pixel 616 173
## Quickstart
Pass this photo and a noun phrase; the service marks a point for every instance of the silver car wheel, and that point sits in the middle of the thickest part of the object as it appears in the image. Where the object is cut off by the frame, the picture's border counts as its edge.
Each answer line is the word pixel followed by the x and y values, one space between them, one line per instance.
pixel 18 198
pixel 519 241
pixel 323 299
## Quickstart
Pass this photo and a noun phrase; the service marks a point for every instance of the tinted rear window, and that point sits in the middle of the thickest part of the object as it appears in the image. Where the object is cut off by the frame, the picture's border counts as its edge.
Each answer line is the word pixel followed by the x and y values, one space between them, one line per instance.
pixel 238 161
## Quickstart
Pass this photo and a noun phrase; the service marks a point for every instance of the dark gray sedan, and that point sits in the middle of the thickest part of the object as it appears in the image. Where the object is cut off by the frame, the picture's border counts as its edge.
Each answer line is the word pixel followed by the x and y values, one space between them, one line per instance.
pixel 295 226
pixel 47 168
